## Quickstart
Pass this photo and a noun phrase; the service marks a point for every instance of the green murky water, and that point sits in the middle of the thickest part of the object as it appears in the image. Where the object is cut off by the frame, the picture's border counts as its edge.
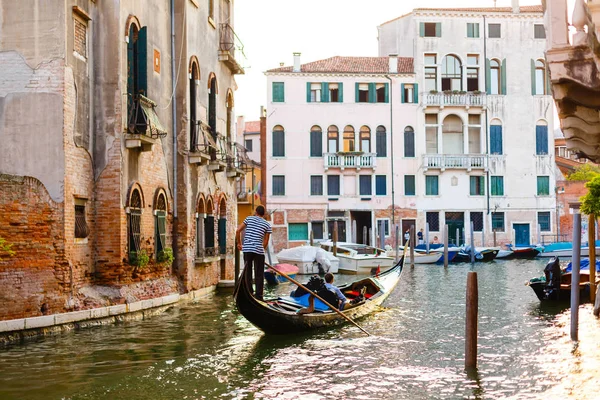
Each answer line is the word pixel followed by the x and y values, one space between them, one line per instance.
pixel 206 350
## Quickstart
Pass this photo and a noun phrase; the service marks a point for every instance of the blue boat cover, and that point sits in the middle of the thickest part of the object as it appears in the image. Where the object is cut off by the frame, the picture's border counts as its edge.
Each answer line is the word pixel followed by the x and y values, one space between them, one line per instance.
pixel 584 264
pixel 303 301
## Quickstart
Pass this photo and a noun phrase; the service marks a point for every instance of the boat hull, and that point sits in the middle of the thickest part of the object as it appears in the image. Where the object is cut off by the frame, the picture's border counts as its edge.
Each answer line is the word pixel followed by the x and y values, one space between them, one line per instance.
pixel 561 295
pixel 486 255
pixel 273 321
pixel 364 265
pixel 274 278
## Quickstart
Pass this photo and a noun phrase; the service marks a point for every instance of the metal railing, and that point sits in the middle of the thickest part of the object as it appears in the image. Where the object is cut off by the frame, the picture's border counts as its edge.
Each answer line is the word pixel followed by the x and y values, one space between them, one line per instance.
pixel 454 99
pixel 142 118
pixel 351 160
pixel 231 43
pixel 201 139
pixel 454 161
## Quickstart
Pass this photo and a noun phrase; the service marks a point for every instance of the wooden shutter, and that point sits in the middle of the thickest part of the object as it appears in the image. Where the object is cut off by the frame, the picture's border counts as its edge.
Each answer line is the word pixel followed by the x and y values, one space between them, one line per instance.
pixel 387 93
pixel 503 77
pixel 357 92
pixel 316 144
pixel 402 100
pixel 209 232
pixel 278 144
pixel 409 185
pixel 380 185
pixel 422 29
pixel 381 145
pixel 365 185
pixel 473 185
pixel 308 96
pixel 222 235
pixel 496 139
pixel 476 30
pixel 324 92
pixel 340 92
pixel 438 29
pixel 416 93
pixel 409 143
pixel 541 140
pixel 142 62
pixel 372 93
pixel 161 231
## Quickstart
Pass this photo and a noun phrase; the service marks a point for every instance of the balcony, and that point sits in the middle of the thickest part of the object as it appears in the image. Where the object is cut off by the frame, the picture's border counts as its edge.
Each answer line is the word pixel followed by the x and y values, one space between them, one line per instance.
pixel 202 144
pixel 574 65
pixel 497 164
pixel 454 161
pixel 231 49
pixel 218 161
pixel 343 160
pixel 143 126
pixel 238 161
pixel 451 99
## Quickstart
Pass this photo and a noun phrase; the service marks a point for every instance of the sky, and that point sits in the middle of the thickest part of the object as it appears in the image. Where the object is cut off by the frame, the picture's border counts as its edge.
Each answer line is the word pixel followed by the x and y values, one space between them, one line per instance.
pixel 272 30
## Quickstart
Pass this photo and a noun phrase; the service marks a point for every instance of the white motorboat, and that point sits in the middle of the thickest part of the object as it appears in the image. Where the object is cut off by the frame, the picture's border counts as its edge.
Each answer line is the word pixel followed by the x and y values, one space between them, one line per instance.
pixel 359 258
pixel 423 258
pixel 310 259
pixel 504 253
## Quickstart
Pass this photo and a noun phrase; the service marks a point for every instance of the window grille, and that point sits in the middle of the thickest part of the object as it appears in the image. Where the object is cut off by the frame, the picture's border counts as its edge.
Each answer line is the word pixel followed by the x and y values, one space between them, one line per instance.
pixel 81 228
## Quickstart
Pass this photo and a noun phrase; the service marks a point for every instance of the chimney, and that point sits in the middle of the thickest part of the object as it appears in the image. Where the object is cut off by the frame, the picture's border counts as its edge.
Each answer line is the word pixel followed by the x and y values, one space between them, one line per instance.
pixel 393 63
pixel 296 62
pixel 515 7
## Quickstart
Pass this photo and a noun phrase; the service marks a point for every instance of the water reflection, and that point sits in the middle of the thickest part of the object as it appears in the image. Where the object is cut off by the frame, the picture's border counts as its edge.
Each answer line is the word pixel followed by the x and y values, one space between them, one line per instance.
pixel 207 350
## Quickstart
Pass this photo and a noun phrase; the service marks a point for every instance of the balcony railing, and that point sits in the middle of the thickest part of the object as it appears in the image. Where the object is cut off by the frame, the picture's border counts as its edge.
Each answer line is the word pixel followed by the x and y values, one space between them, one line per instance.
pixel 231 49
pixel 350 160
pixel 454 161
pixel 442 99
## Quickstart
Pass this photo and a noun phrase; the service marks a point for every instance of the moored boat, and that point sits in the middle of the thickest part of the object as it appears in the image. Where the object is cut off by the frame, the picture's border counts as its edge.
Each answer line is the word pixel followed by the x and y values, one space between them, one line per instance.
pixel 310 260
pixel 423 258
pixel 555 285
pixel 274 278
pixel 359 258
pixel 279 315
pixel 565 249
pixel 481 254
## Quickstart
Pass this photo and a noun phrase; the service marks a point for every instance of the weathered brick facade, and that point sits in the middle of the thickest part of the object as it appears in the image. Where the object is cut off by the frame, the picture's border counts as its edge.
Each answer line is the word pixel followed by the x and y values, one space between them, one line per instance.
pixel 85 155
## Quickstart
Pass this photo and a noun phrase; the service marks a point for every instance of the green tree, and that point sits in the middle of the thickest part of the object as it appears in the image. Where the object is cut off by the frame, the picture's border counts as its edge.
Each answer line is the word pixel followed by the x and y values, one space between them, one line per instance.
pixel 6 248
pixel 590 202
pixel 584 173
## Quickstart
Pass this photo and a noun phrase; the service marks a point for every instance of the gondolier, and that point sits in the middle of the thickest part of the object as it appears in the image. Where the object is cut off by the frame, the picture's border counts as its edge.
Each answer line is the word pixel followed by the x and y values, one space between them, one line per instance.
pixel 256 238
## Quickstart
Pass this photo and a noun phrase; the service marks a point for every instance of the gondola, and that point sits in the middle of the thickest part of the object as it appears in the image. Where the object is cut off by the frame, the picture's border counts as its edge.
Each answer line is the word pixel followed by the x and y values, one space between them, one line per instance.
pixel 278 316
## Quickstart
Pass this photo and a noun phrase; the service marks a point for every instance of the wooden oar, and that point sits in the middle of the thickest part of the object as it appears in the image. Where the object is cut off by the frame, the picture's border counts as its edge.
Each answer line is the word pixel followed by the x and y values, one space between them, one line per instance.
pixel 318 297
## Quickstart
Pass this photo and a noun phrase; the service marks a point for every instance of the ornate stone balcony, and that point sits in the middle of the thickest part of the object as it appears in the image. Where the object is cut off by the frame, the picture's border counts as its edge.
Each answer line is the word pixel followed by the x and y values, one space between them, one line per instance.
pixel 442 99
pixel 343 160
pixel 454 161
pixel 574 64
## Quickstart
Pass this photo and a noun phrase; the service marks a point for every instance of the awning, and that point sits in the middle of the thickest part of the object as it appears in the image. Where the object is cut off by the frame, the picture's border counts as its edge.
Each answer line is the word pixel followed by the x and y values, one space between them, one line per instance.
pixel 154 128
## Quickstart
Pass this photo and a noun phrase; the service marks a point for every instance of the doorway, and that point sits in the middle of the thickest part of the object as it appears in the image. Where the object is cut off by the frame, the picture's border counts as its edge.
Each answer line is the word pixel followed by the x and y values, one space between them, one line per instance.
pixel 362 221
pixel 521 235
pixel 341 225
pixel 406 224
pixel 455 221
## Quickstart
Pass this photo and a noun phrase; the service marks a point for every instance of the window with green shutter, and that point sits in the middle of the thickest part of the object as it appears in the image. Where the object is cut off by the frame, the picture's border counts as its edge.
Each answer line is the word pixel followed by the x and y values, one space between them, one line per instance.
pixel 472 30
pixel 316 141
pixel 477 186
pixel 498 221
pixel 278 141
pixel 380 185
pixel 497 185
pixel 362 92
pixel 316 185
pixel 278 185
pixel 381 141
pixel 430 29
pixel 278 92
pixel 544 221
pixel 381 92
pixel 297 231
pixel 543 185
pixel 409 185
pixel 541 139
pixel 364 185
pixel 333 185
pixel 431 185
pixel 409 93
pixel 495 139
pixel 409 142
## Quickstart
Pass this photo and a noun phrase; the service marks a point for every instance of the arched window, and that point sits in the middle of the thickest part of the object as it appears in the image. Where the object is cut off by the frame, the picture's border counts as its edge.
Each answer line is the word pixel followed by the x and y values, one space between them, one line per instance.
pixel 209 230
pixel 365 139
pixel 452 135
pixel 200 221
pixel 212 105
pixel 316 141
pixel 451 73
pixel 496 137
pixel 541 137
pixel 495 77
pixel 194 128
pixel 540 77
pixel 409 142
pixel 134 221
pixel 381 138
pixel 137 81
pixel 222 226
pixel 348 138
pixel 333 139
pixel 160 223
pixel 278 141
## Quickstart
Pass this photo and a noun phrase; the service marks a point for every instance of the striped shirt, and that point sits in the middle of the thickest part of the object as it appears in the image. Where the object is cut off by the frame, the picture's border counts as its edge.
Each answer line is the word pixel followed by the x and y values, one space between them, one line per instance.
pixel 256 228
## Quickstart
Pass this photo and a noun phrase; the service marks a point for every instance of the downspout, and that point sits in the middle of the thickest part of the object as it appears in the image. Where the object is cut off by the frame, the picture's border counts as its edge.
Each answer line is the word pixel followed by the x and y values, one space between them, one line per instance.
pixel 174 121
pixel 487 145
pixel 392 152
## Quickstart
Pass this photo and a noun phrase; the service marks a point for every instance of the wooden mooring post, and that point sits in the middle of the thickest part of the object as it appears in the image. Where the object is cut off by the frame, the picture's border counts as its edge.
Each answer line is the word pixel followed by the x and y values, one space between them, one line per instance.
pixel 471 321
pixel 446 246
pixel 411 240
pixel 592 247
pixel 335 237
pixel 575 276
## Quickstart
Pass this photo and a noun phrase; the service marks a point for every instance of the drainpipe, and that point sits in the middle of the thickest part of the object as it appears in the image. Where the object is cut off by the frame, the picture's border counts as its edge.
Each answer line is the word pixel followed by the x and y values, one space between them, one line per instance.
pixel 174 112
pixel 487 145
pixel 392 150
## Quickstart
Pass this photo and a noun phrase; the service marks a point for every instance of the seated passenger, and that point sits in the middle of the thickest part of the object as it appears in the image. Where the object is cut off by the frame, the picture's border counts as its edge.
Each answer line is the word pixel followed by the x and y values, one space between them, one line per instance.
pixel 330 286
pixel 328 292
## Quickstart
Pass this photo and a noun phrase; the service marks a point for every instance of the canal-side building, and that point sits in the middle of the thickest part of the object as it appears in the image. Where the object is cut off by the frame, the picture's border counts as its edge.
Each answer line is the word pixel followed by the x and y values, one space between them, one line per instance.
pixel 333 128
pixel 249 185
pixel 484 124
pixel 117 151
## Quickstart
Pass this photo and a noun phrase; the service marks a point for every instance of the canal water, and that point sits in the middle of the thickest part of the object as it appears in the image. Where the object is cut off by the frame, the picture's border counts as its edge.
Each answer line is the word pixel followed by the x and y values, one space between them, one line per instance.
pixel 206 350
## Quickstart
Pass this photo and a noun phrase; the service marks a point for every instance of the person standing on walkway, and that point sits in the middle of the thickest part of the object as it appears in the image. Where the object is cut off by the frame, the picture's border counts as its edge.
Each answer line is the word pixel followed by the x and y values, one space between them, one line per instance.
pixel 256 239
pixel 420 237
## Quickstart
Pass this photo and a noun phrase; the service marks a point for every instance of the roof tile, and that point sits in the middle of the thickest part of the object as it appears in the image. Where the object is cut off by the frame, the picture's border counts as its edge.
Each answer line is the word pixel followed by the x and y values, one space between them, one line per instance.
pixel 353 65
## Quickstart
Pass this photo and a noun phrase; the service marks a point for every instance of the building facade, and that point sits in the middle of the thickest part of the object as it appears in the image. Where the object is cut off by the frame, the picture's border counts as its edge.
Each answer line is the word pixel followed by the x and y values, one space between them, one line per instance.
pixel 330 146
pixel 485 121
pixel 116 153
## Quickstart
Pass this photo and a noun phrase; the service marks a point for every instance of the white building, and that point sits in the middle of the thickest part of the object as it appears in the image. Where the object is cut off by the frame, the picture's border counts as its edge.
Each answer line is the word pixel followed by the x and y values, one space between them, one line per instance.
pixel 485 120
pixel 470 124
pixel 329 146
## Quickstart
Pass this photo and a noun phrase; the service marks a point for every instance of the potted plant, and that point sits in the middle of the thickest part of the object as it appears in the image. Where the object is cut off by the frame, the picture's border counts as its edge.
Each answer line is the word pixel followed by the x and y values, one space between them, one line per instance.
pixel 139 259
pixel 165 256
pixel 433 92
